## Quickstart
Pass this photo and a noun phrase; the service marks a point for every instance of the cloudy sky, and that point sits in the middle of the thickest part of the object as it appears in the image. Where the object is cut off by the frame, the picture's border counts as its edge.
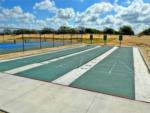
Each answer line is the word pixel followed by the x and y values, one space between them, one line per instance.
pixel 97 14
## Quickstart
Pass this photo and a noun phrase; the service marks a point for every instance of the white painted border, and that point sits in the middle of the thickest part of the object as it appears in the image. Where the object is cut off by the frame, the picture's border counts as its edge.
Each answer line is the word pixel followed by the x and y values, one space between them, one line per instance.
pixel 142 77
pixel 68 78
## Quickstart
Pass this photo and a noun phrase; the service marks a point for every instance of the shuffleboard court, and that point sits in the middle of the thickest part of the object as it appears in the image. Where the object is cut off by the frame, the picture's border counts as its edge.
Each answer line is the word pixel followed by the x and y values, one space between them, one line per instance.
pixel 4 66
pixel 114 75
pixel 52 71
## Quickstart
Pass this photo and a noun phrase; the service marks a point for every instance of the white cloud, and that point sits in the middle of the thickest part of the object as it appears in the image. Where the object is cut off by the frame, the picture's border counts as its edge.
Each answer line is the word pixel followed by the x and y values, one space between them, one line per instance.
pixel 26 17
pixel 40 24
pixel 98 15
pixel 45 5
pixel 136 13
pixel 16 14
pixel 128 2
pixel 55 22
pixel 63 13
pixel 92 15
pixel 98 8
pixel 66 13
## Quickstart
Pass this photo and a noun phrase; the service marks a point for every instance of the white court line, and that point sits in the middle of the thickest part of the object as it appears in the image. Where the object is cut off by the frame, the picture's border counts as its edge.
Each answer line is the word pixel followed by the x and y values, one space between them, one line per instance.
pixel 30 66
pixel 142 77
pixel 76 73
pixel 39 54
pixel 113 66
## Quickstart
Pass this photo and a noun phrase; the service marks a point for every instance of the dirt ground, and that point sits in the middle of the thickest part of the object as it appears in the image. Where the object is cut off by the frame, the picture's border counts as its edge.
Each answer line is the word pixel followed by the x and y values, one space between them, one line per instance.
pixel 142 42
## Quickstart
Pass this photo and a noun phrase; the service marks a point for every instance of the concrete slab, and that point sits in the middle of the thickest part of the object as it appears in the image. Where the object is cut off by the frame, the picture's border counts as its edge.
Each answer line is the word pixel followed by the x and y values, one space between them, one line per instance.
pixel 71 76
pixel 3 75
pixel 52 98
pixel 23 95
pixel 142 77
pixel 109 104
pixel 12 87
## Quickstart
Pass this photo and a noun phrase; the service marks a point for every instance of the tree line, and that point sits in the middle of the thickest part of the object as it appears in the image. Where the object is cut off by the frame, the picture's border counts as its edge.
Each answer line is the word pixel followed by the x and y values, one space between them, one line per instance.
pixel 124 30
pixel 145 32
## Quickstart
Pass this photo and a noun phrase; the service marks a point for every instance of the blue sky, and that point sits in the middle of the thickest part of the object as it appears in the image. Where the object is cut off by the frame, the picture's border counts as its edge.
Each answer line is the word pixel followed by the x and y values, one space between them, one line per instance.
pixel 97 14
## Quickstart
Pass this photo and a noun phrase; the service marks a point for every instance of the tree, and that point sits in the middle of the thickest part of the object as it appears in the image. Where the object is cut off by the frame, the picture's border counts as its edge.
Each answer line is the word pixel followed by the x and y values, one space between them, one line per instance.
pixel 66 29
pixel 63 29
pixel 7 31
pixel 126 30
pixel 25 31
pixel 73 31
pixel 80 29
pixel 47 31
pixel 145 32
pixel 93 31
pixel 110 31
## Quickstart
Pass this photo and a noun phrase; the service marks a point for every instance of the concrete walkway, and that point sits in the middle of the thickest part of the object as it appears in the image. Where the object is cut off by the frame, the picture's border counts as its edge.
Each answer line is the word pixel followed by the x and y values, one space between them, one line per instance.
pixel 142 77
pixel 23 95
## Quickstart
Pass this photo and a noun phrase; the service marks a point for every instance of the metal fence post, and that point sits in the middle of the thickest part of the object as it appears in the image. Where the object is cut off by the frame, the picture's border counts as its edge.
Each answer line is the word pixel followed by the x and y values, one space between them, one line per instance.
pixel 81 37
pixel 120 39
pixel 63 40
pixel 40 42
pixel 91 38
pixel 71 39
pixel 53 40
pixel 3 37
pixel 105 39
pixel 23 46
